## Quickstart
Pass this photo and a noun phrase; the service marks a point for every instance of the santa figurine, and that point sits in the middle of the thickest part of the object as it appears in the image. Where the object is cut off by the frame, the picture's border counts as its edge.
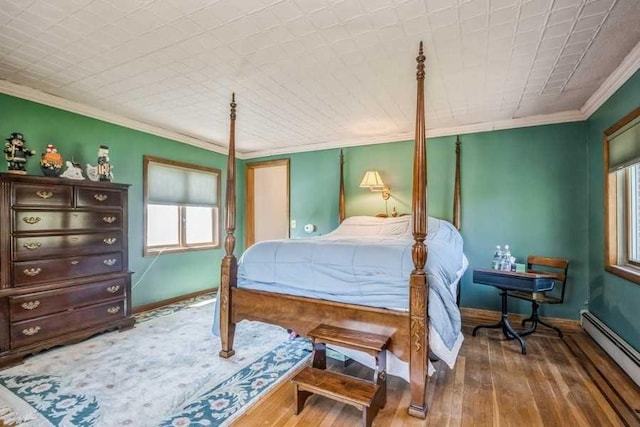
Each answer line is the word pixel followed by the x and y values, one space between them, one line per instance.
pixel 16 153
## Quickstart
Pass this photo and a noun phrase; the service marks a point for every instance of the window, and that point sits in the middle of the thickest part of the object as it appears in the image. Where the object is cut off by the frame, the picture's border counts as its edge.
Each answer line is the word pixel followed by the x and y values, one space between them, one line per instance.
pixel 181 206
pixel 622 203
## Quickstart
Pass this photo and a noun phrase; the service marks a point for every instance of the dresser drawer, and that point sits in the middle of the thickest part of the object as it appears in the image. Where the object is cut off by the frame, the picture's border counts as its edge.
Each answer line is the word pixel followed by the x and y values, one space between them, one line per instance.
pixel 29 272
pixel 90 197
pixel 36 247
pixel 41 328
pixel 42 195
pixel 39 304
pixel 32 220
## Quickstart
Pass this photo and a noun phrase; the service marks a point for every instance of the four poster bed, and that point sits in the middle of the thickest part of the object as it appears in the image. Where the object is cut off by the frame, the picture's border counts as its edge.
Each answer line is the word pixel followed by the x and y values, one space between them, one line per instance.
pixel 408 327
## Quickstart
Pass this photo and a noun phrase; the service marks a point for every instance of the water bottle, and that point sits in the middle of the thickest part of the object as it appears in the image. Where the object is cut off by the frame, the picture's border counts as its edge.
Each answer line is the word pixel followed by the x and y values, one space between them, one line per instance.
pixel 506 259
pixel 497 259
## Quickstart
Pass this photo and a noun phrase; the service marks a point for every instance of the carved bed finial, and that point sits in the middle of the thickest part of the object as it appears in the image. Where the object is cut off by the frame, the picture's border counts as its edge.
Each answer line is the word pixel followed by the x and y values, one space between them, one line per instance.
pixel 457 222
pixel 233 106
pixel 341 202
pixel 420 59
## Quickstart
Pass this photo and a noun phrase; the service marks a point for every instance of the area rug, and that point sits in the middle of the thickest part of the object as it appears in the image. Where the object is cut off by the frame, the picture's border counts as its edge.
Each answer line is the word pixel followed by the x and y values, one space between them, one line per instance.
pixel 164 372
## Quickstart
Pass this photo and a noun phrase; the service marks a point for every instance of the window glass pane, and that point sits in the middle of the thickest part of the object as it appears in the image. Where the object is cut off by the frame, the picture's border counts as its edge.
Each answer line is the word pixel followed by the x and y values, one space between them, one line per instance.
pixel 199 221
pixel 163 225
pixel 634 215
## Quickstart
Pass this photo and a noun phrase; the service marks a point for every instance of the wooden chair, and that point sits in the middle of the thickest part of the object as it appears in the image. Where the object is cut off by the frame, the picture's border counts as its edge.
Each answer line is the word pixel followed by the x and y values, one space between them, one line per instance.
pixel 558 267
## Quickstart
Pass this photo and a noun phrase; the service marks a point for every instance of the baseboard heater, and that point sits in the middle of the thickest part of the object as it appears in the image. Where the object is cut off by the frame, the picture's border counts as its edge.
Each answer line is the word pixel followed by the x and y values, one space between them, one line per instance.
pixel 621 352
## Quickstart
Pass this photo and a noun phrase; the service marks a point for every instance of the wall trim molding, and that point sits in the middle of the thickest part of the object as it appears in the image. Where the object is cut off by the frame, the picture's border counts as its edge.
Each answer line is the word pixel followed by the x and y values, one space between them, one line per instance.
pixel 55 101
pixel 627 68
pixel 165 302
pixel 620 75
pixel 618 349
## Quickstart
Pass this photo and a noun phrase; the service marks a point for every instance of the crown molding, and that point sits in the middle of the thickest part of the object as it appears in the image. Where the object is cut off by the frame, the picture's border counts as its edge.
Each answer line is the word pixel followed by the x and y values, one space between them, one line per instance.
pixel 627 68
pixel 539 120
pixel 55 101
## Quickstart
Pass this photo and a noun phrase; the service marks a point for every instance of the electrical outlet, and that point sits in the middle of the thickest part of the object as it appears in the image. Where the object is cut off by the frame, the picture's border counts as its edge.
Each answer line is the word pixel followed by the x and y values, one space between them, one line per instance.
pixel 293 224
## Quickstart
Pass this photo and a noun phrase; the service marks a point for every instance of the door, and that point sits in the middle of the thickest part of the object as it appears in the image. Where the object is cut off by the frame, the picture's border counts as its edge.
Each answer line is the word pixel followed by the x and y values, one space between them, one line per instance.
pixel 267 201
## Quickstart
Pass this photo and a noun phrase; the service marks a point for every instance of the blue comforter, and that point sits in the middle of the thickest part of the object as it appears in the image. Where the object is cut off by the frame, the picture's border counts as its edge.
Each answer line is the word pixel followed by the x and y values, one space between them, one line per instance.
pixel 357 267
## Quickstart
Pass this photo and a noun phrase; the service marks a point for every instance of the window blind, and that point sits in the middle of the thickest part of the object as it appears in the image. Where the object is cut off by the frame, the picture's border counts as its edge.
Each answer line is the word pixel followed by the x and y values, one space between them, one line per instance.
pixel 624 146
pixel 172 185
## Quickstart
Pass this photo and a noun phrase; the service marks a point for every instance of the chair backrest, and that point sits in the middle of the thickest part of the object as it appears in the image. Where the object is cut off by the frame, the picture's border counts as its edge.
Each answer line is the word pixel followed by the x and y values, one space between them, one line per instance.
pixel 557 267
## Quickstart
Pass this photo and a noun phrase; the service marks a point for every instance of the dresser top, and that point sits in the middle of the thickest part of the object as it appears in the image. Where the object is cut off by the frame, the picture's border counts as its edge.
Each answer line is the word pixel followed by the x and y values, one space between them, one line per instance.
pixel 45 180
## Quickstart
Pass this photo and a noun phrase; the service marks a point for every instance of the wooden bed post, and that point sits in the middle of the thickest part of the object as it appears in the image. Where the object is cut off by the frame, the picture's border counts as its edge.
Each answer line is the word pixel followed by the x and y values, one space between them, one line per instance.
pixel 229 268
pixel 341 214
pixel 419 286
pixel 456 189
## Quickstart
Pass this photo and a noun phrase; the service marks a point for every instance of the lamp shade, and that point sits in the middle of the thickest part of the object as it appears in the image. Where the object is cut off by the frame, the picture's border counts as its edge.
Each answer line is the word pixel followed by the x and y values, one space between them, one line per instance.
pixel 372 180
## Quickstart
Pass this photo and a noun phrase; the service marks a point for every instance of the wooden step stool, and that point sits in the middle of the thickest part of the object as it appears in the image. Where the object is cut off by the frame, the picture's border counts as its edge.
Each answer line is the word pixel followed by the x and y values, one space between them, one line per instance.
pixel 367 396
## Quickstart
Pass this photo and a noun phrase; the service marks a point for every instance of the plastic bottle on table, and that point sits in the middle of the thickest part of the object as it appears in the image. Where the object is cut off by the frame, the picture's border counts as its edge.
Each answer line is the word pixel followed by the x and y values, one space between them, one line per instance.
pixel 506 259
pixel 496 264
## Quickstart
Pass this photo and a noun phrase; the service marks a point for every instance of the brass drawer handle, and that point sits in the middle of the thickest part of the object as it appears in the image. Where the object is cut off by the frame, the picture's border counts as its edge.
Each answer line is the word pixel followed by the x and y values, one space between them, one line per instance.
pixel 32 271
pixel 31 331
pixel 113 310
pixel 109 219
pixel 31 245
pixel 110 240
pixel 31 219
pixel 31 305
pixel 109 262
pixel 113 289
pixel 44 194
pixel 100 197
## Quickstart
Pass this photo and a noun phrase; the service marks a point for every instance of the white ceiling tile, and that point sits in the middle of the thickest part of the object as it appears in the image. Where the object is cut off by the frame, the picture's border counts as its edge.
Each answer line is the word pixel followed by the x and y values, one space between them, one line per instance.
pixel 435 5
pixel 500 4
pixel 532 22
pixel 286 10
pixel 559 30
pixel 535 7
pixel 561 4
pixel 474 24
pixel 564 15
pixel 443 18
pixel 417 25
pixel 189 6
pixel 502 16
pixel 324 18
pixel 589 22
pixel 383 17
pixel 597 7
pixel 472 9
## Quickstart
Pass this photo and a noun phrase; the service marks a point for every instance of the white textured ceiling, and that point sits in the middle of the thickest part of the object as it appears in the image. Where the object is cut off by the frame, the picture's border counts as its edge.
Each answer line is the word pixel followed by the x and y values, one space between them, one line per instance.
pixel 315 71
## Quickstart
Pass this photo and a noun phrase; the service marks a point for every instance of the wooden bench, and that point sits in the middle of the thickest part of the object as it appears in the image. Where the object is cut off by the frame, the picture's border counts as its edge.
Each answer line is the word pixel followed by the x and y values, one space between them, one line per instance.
pixel 367 396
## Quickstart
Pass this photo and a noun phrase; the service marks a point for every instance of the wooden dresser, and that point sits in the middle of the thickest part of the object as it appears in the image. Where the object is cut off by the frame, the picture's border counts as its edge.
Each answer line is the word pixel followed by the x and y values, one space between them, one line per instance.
pixel 63 262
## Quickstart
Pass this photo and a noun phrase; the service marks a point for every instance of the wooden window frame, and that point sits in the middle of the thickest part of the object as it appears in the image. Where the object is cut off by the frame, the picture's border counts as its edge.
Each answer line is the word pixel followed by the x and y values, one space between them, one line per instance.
pixel 612 254
pixel 181 246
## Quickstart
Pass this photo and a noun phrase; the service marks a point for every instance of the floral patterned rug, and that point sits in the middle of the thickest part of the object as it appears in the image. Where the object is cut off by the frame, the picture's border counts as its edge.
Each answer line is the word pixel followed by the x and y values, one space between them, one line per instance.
pixel 164 372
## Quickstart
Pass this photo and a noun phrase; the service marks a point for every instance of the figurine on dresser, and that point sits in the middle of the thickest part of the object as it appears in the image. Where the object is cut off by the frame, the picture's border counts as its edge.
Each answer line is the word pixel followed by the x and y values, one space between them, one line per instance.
pixel 103 170
pixel 51 161
pixel 17 153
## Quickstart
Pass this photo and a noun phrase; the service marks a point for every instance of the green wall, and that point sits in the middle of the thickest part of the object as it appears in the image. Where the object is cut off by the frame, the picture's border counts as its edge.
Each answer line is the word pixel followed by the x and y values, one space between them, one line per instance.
pixel 525 187
pixel 614 300
pixel 78 137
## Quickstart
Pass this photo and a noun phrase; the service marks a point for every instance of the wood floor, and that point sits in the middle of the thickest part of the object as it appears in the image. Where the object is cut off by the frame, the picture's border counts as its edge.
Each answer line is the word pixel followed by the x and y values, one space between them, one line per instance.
pixel 492 384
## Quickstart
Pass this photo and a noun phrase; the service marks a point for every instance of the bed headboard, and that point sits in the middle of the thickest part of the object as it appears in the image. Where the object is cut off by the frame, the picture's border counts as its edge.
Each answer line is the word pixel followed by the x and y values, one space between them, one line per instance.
pixel 456 219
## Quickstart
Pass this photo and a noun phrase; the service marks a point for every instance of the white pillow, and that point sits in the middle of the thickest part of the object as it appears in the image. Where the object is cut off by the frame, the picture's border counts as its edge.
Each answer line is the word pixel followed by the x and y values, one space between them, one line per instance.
pixel 374 226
